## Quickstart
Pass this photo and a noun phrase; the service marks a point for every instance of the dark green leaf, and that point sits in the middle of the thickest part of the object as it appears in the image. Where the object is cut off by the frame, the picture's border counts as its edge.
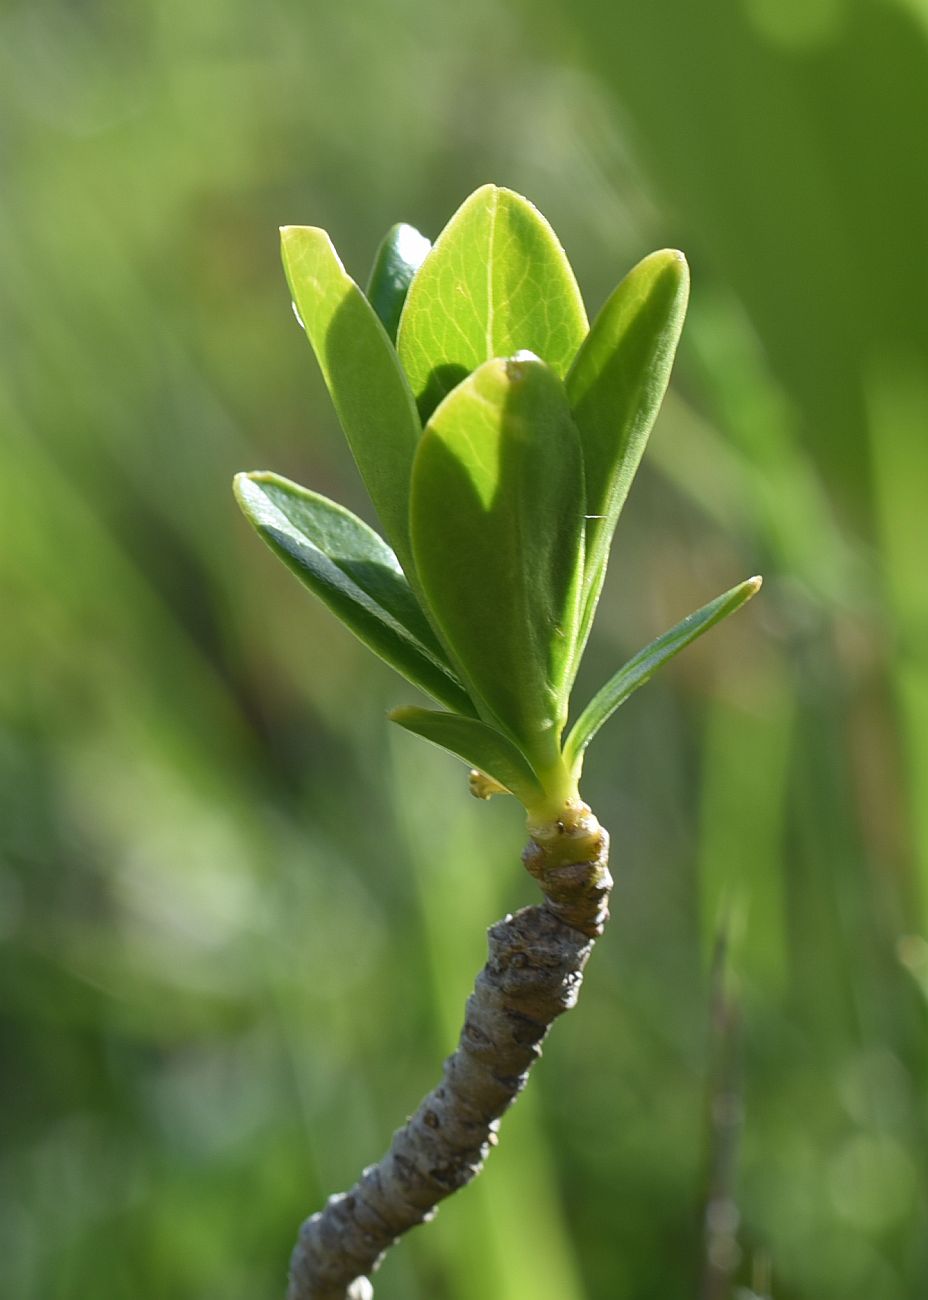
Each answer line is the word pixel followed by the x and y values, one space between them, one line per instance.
pixel 497 282
pixel 645 664
pixel 355 573
pixel 479 745
pixel 615 387
pixel 362 373
pixel 398 259
pixel 497 534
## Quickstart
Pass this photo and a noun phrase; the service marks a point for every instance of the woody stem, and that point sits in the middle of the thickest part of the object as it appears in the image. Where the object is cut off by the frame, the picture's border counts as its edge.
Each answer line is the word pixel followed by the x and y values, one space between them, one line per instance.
pixel 532 975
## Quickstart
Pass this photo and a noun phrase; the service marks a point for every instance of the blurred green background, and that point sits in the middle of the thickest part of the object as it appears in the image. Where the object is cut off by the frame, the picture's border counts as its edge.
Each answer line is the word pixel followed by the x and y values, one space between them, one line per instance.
pixel 238 917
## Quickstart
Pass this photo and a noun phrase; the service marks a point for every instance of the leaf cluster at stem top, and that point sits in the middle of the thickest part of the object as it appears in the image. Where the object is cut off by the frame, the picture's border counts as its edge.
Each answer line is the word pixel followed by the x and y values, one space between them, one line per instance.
pixel 498 435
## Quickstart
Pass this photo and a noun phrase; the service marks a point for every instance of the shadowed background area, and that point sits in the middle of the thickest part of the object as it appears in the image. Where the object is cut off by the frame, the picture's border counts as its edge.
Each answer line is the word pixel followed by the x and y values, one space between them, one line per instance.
pixel 238 916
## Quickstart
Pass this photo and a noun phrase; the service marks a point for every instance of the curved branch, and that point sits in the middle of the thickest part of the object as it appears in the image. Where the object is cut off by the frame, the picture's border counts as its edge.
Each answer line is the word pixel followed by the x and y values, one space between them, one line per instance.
pixel 533 975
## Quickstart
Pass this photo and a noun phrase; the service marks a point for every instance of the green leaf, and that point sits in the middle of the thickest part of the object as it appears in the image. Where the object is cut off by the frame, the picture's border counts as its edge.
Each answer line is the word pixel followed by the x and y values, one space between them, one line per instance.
pixel 362 372
pixel 497 534
pixel 479 745
pixel 645 664
pixel 398 259
pixel 355 573
pixel 496 283
pixel 615 387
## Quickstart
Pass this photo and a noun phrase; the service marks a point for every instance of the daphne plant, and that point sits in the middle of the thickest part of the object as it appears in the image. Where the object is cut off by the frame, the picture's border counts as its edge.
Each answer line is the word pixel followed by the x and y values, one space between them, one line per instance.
pixel 498 435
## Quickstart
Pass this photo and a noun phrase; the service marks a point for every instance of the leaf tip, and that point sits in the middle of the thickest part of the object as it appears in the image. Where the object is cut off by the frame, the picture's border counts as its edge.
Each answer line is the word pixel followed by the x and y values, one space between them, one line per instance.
pixel 298 237
pixel 674 263
pixel 247 491
pixel 239 482
pixel 518 366
pixel 246 487
pixel 753 585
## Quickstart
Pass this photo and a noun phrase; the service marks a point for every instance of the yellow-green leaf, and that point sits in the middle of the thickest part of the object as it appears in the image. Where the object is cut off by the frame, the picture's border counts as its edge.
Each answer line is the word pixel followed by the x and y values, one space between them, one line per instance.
pixel 615 387
pixel 497 534
pixel 361 370
pixel 496 282
pixel 479 745
pixel 355 573
pixel 642 666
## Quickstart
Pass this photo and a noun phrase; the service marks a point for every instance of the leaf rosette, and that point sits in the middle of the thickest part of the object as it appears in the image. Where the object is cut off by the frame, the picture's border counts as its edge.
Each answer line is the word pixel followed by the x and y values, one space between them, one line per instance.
pixel 497 434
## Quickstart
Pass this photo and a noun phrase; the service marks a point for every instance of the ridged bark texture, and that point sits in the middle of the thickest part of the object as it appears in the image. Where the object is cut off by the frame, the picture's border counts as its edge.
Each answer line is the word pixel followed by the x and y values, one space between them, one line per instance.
pixel 533 974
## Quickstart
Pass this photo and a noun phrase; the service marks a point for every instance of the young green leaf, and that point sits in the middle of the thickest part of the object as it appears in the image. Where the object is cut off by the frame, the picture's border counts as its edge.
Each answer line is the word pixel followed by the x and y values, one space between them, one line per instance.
pixel 615 387
pixel 398 259
pixel 362 372
pixel 497 282
pixel 479 745
pixel 642 667
pixel 497 534
pixel 355 573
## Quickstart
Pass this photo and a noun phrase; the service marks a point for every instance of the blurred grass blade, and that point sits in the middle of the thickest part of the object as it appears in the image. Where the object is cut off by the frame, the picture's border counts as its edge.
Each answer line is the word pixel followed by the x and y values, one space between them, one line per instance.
pixel 497 282
pixel 398 259
pixel 646 662
pixel 478 744
pixel 355 573
pixel 497 531
pixel 362 373
pixel 615 388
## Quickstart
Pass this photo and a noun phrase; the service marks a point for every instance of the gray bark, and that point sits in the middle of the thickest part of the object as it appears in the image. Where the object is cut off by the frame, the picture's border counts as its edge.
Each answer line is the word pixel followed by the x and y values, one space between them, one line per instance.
pixel 533 975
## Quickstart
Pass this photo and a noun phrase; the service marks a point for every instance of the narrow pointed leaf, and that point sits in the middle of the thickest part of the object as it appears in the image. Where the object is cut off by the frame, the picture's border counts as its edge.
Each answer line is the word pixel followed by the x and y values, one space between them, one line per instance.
pixel 398 259
pixel 645 664
pixel 362 373
pixel 497 534
pixel 615 387
pixel 497 282
pixel 355 573
pixel 479 745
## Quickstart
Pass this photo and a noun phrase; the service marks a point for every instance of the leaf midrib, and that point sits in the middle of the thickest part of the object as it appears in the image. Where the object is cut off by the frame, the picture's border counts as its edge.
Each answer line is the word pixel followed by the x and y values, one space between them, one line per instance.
pixel 491 254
